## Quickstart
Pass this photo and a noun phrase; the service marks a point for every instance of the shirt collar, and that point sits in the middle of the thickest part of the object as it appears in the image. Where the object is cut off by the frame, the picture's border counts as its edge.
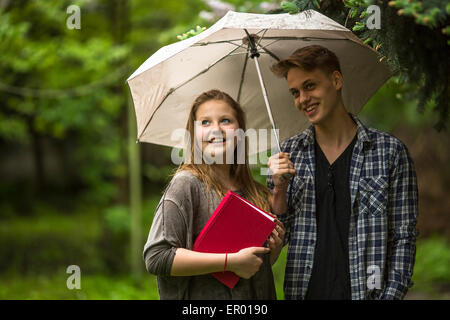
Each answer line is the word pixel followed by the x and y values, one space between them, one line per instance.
pixel 363 136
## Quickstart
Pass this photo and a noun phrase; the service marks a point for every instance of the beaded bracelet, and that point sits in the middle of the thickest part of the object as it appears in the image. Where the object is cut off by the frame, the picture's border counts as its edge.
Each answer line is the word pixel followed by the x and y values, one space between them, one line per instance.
pixel 225 265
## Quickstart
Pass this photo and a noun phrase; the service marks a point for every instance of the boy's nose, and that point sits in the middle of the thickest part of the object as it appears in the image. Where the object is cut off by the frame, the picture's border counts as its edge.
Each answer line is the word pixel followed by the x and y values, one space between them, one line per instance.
pixel 303 100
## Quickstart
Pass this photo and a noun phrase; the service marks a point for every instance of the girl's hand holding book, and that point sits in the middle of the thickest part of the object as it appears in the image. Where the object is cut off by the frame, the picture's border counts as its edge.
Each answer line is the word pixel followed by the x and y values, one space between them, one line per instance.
pixel 275 241
pixel 246 262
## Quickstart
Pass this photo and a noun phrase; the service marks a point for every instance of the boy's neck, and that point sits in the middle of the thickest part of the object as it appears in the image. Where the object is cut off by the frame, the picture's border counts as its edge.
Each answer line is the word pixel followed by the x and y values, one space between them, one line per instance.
pixel 337 131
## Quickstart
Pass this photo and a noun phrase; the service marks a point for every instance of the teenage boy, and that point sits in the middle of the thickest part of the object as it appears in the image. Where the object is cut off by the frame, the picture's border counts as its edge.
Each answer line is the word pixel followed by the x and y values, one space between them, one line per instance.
pixel 350 210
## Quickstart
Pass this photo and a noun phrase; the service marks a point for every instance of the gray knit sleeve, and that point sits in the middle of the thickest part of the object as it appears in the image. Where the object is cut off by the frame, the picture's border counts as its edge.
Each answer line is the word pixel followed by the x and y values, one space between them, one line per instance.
pixel 166 235
pixel 170 228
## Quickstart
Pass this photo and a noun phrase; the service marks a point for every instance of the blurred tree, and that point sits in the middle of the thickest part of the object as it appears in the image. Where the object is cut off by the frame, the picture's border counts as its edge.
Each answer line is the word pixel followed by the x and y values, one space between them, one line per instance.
pixel 59 84
pixel 67 86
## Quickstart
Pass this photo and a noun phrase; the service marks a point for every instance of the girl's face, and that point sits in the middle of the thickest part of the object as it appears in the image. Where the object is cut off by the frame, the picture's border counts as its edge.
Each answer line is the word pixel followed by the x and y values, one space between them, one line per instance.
pixel 215 126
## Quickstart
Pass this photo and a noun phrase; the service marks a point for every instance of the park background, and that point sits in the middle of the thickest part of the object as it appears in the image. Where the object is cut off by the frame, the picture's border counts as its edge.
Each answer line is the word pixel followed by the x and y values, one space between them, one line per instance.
pixel 75 188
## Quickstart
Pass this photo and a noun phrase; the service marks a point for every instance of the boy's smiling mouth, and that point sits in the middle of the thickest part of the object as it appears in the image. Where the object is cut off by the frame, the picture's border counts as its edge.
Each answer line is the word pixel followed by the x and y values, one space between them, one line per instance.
pixel 311 109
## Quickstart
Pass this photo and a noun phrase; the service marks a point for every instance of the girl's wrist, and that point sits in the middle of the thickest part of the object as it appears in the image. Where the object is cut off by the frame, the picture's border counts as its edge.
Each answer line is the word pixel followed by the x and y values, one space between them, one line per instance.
pixel 230 257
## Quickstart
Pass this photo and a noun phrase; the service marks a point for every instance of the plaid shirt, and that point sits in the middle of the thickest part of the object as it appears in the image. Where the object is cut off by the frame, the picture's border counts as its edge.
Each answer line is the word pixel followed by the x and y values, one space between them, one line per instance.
pixel 382 230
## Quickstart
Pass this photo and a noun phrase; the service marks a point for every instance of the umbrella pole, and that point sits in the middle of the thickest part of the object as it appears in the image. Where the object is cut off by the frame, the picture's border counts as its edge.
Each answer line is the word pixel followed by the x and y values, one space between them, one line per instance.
pixel 286 176
pixel 254 54
pixel 266 101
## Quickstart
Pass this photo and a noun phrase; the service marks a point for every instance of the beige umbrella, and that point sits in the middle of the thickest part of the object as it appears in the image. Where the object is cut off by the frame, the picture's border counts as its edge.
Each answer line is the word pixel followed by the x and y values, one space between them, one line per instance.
pixel 164 87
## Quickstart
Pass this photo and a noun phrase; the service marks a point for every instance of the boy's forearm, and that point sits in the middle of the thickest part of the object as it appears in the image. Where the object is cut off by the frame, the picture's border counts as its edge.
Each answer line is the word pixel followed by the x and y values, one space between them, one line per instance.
pixel 278 203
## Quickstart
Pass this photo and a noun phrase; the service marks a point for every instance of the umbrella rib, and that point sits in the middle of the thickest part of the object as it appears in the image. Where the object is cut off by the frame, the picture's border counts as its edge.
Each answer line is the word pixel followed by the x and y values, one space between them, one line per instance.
pixel 269 44
pixel 201 44
pixel 172 90
pixel 237 54
pixel 262 37
pixel 270 53
pixel 198 44
pixel 304 38
pixel 242 77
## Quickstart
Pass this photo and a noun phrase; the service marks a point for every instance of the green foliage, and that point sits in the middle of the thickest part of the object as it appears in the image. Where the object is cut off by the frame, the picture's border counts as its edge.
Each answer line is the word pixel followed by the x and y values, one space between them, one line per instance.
pixel 40 245
pixel 290 7
pixel 62 84
pixel 427 13
pixel 431 270
pixel 278 270
pixel 394 105
pixel 160 175
pixel 191 33
pixel 117 219
pixel 94 238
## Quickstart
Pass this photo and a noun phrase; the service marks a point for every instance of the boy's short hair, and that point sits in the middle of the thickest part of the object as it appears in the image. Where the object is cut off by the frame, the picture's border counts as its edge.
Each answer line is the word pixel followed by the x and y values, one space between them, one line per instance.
pixel 308 58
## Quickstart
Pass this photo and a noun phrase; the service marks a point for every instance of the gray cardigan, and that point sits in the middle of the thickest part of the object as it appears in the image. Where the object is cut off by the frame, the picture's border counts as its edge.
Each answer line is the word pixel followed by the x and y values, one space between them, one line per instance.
pixel 181 214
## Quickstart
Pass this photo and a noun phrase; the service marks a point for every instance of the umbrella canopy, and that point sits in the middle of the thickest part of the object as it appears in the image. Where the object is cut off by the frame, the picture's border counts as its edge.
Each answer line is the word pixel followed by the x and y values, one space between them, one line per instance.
pixel 164 87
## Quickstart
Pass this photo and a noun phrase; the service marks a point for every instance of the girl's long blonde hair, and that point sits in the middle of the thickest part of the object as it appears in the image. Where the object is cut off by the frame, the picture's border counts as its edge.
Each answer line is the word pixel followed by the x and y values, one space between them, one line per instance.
pixel 254 191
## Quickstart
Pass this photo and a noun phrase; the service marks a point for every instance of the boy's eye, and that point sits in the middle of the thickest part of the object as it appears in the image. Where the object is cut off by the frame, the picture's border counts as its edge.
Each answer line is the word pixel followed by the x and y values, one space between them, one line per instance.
pixel 294 93
pixel 309 86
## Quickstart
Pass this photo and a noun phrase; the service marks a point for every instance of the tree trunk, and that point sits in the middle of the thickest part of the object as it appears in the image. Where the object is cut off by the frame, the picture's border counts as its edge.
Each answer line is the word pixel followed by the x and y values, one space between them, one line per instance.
pixel 120 26
pixel 38 161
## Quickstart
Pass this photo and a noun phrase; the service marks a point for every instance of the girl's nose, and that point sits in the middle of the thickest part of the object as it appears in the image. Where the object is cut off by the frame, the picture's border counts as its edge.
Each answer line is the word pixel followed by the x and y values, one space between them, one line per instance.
pixel 215 127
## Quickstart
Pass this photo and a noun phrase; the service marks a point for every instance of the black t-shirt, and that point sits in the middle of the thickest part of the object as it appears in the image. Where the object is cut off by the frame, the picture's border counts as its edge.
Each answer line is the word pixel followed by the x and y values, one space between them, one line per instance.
pixel 330 279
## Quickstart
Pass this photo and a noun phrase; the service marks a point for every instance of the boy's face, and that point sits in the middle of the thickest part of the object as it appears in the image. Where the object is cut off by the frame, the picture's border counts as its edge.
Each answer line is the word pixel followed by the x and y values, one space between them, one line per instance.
pixel 315 93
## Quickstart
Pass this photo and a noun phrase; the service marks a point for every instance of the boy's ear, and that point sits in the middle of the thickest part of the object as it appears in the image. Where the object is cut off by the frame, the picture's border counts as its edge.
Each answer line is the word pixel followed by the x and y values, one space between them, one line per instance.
pixel 336 77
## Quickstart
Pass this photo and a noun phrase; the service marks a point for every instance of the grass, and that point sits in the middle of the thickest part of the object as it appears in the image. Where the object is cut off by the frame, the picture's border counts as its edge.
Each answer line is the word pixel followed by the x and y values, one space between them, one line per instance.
pixel 93 287
pixel 97 287
pixel 432 255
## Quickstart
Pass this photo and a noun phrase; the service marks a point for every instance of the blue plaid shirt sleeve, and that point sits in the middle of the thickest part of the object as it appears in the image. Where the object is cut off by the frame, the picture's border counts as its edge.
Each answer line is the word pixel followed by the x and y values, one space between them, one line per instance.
pixel 402 215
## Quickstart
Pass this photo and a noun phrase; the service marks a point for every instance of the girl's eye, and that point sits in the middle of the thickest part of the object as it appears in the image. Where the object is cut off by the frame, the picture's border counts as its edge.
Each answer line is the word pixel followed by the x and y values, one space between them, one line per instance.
pixel 226 120
pixel 205 122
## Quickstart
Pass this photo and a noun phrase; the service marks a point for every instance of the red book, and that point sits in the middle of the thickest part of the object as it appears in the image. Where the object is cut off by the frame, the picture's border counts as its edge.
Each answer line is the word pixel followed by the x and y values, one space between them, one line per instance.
pixel 235 224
